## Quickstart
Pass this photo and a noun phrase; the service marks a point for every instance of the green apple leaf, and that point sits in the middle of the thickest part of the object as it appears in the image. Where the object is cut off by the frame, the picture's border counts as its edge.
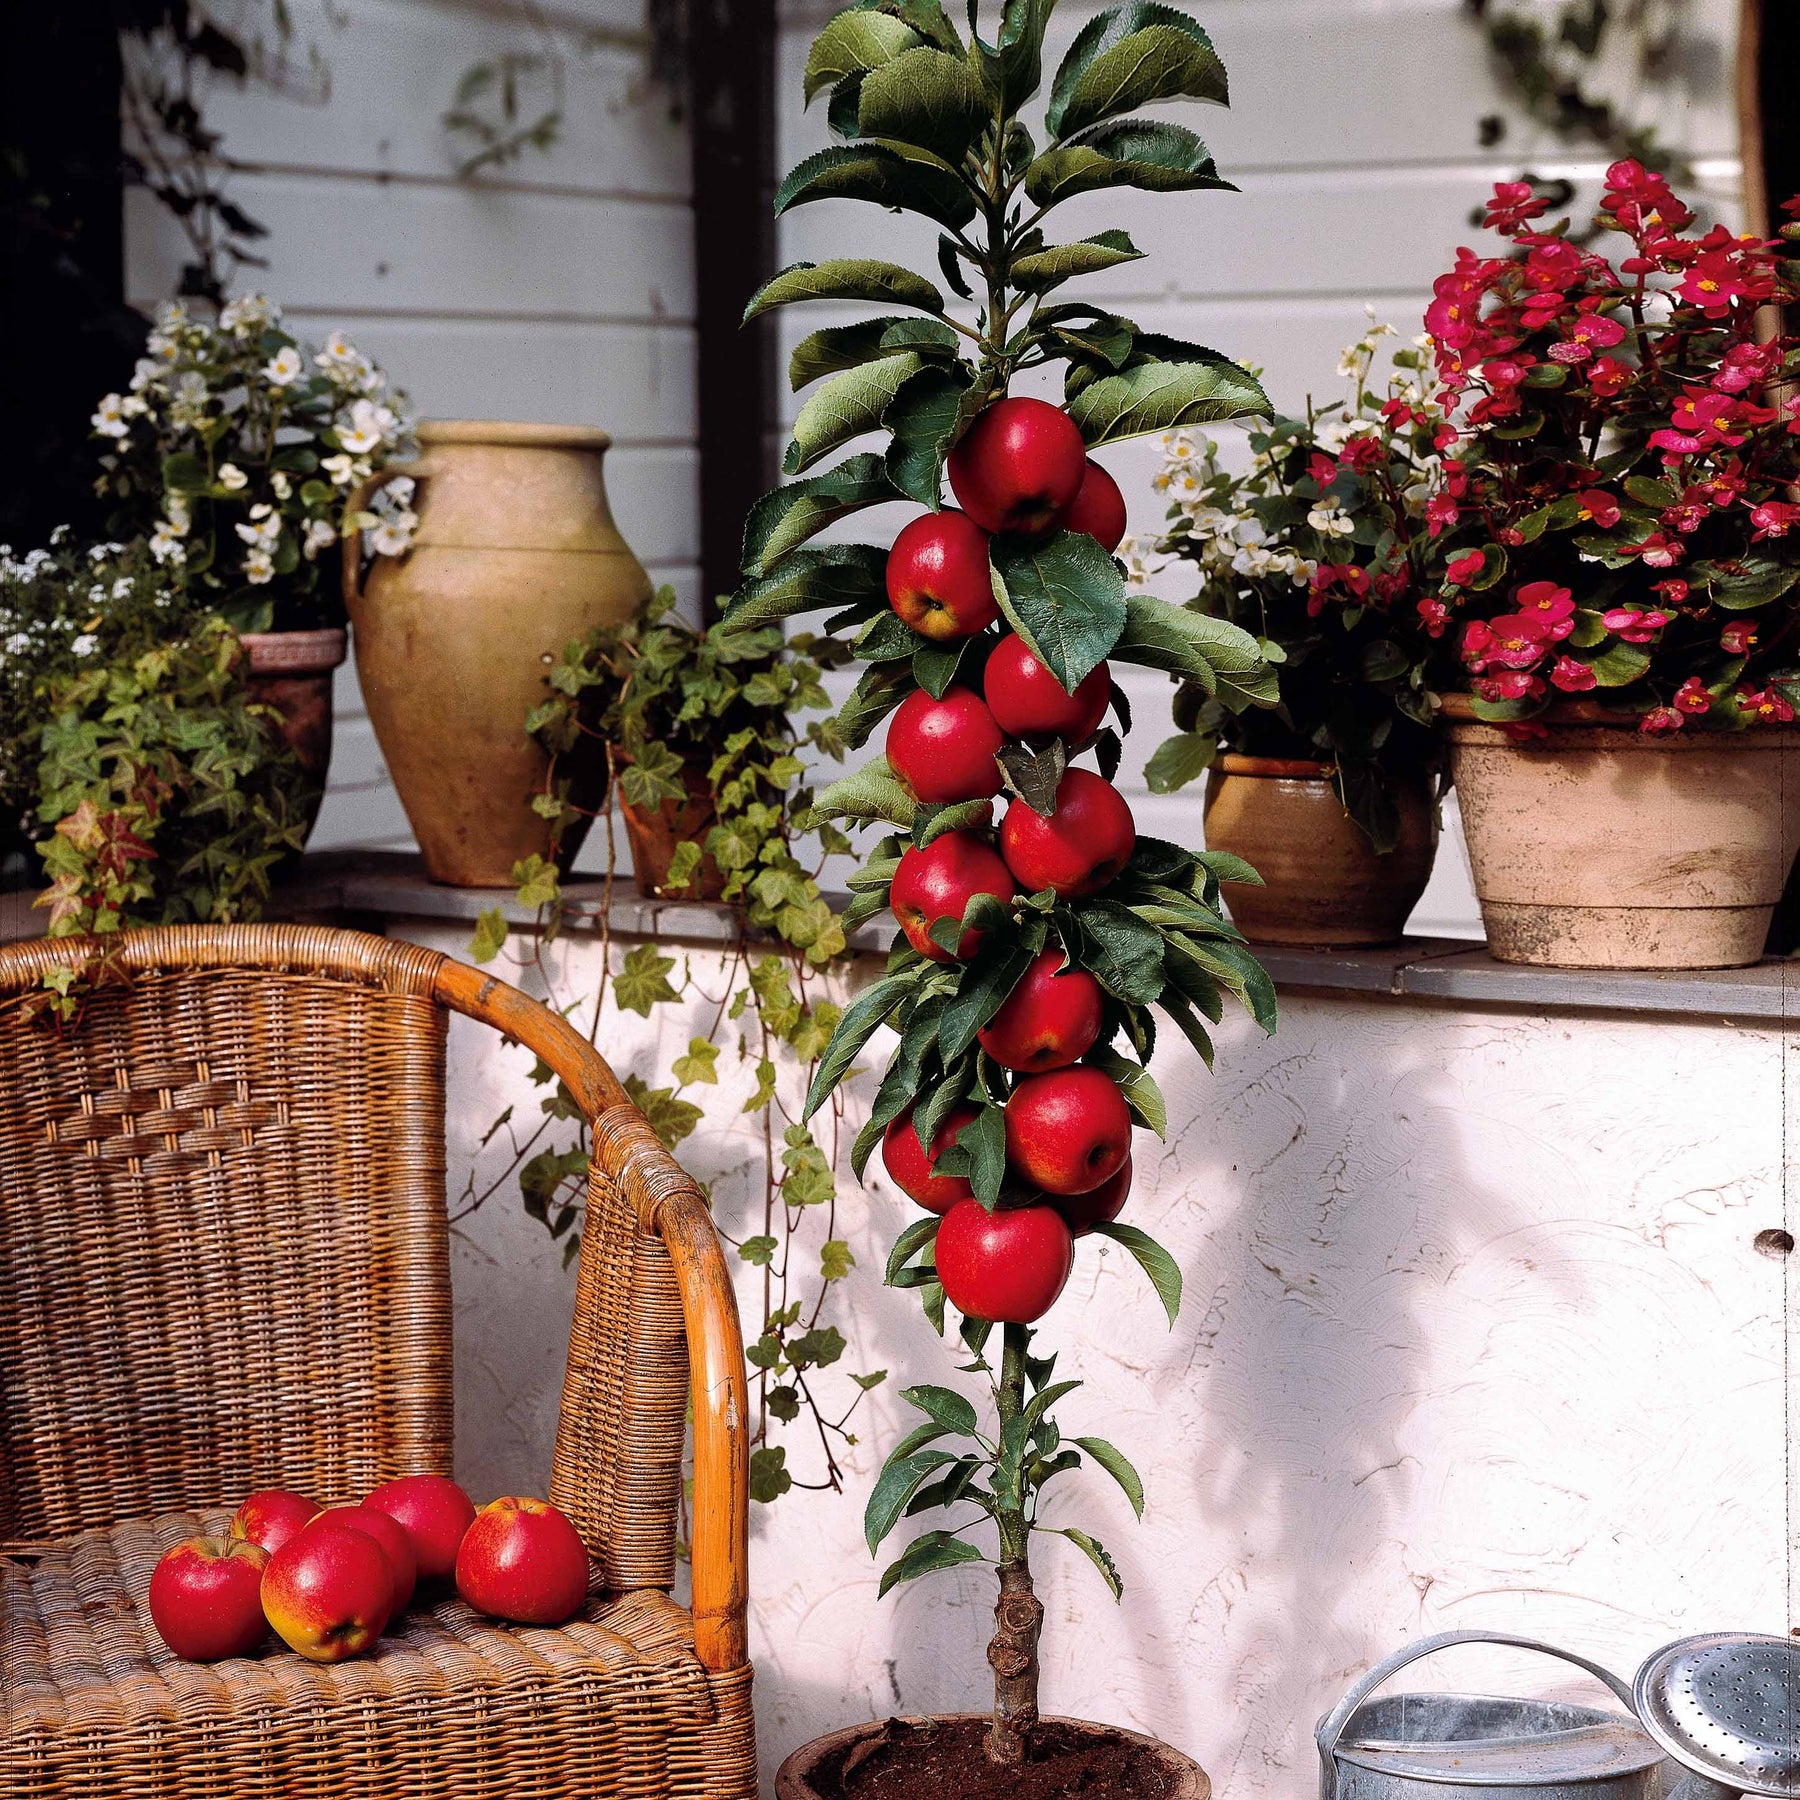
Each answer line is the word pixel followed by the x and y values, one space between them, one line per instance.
pixel 1234 969
pixel 1035 775
pixel 881 175
pixel 927 98
pixel 1014 65
pixel 1178 760
pixel 1158 391
pixel 862 1018
pixel 1223 658
pixel 853 43
pixel 1142 153
pixel 783 520
pixel 979 995
pixel 1095 1552
pixel 1120 951
pixel 881 688
pixel 1118 1466
pixel 1050 267
pixel 1141 1093
pixel 1130 56
pixel 898 1481
pixel 932 409
pixel 1153 1259
pixel 871 792
pixel 1065 597
pixel 840 347
pixel 935 1550
pixel 845 278
pixel 808 580
pixel 846 407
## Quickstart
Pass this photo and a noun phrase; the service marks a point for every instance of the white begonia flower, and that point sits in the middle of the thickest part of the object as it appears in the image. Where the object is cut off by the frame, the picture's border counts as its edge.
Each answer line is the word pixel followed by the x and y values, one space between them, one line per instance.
pixel 278 480
pixel 259 566
pixel 284 368
pixel 17 644
pixel 175 506
pixel 121 589
pixel 345 364
pixel 86 644
pixel 165 546
pixel 232 477
pixel 189 408
pixel 145 373
pixel 109 416
pixel 401 489
pixel 248 313
pixel 1329 521
pixel 393 536
pixel 263 528
pixel 342 469
pixel 321 534
pixel 371 425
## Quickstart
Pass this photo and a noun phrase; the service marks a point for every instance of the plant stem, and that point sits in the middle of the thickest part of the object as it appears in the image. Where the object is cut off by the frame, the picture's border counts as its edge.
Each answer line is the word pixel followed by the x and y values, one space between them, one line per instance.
pixel 1018 1614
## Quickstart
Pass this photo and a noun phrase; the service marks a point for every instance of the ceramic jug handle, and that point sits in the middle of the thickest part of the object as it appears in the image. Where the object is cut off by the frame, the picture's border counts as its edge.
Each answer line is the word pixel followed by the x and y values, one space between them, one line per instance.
pixel 360 496
pixel 1331 1727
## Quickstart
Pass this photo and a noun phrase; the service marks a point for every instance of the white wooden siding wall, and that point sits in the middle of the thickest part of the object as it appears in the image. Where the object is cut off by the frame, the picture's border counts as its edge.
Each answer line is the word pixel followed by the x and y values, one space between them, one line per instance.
pixel 559 288
pixel 1352 136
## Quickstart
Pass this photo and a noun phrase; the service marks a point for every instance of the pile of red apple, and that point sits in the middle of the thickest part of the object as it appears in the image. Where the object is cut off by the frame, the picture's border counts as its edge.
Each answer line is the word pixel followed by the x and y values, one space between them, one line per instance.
pixel 330 1580
pixel 1023 469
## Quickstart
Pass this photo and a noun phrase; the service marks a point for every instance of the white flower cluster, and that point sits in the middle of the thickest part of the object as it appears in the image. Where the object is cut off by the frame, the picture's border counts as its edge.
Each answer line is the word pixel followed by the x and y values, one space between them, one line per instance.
pixel 1210 515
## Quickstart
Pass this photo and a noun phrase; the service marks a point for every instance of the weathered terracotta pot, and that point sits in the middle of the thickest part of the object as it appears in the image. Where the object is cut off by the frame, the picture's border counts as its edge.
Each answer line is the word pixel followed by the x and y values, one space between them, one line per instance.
pixel 653 837
pixel 793 1780
pixel 1598 846
pixel 292 671
pixel 1325 886
pixel 516 555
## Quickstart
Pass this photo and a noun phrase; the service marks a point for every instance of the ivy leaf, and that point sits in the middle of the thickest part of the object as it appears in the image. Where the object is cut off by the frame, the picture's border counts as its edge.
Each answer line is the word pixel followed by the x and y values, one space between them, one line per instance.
pixel 1124 954
pixel 1096 1554
pixel 1035 775
pixel 845 278
pixel 769 1477
pixel 672 1119
pixel 1153 1259
pixel 1141 1093
pixel 818 1348
pixel 759 1252
pixel 1224 659
pixel 880 175
pixel 490 935
pixel 1132 56
pixel 935 1550
pixel 862 1018
pixel 899 1480
pixel 1048 268
pixel 853 43
pixel 835 1260
pixel 929 412
pixel 1154 155
pixel 643 981
pixel 1065 597
pixel 809 580
pixel 927 98
pixel 846 407
pixel 1187 385
pixel 784 519
pixel 871 792
pixel 700 1064
pixel 840 347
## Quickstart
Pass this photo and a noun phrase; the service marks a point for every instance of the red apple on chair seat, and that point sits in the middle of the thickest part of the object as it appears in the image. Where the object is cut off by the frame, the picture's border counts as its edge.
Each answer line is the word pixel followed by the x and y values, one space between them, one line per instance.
pixel 1019 466
pixel 1099 509
pixel 1049 1020
pixel 1080 848
pixel 206 1598
pixel 329 1591
pixel 1028 702
pixel 394 1539
pixel 1006 1266
pixel 938 882
pixel 944 749
pixel 522 1560
pixel 437 1513
pixel 1068 1131
pixel 1098 1206
pixel 271 1516
pixel 913 1170
pixel 938 579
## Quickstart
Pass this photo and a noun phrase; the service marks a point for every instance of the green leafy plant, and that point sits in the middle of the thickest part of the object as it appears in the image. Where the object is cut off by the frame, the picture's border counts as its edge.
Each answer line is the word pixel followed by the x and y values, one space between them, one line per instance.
pixel 678 712
pixel 931 122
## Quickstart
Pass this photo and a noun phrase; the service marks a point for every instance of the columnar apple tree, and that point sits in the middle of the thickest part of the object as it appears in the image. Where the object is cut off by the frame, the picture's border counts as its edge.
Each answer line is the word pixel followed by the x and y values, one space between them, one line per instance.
pixel 1032 960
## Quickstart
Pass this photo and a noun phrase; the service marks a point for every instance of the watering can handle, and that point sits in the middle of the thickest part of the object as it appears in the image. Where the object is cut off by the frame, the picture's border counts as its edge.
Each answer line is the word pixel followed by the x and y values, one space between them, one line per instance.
pixel 1331 1728
pixel 359 498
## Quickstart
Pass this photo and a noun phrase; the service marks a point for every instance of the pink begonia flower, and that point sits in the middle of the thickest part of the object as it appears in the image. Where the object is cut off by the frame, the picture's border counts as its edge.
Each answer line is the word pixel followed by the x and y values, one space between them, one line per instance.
pixel 1597 504
pixel 1363 451
pixel 1661 719
pixel 1436 616
pixel 1571 676
pixel 1520 641
pixel 1463 569
pixel 1440 514
pixel 1512 205
pixel 1658 551
pixel 1674 591
pixel 1692 697
pixel 1767 703
pixel 1512 685
pixel 1545 601
pixel 1607 376
pixel 1737 637
pixel 1689 513
pixel 1475 641
pixel 1774 518
pixel 1633 626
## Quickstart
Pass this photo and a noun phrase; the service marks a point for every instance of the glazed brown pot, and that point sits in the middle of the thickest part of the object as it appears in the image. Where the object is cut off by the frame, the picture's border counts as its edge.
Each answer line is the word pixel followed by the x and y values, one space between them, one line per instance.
pixel 516 555
pixel 1599 846
pixel 794 1779
pixel 653 837
pixel 1325 886
pixel 291 671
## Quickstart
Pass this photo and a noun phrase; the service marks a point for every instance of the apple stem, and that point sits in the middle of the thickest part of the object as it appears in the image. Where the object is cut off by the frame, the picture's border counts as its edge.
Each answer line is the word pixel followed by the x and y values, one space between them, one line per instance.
pixel 1018 1613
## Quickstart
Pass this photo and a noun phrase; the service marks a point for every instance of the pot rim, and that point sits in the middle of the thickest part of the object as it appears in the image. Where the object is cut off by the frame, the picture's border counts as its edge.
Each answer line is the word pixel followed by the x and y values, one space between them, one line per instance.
pixel 512 433
pixel 296 652
pixel 797 1764
pixel 1274 768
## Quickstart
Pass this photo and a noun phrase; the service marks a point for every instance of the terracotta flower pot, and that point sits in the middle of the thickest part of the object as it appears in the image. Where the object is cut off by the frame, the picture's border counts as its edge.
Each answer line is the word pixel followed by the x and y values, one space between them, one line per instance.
pixel 654 837
pixel 1325 886
pixel 292 672
pixel 516 555
pixel 1598 846
pixel 813 1771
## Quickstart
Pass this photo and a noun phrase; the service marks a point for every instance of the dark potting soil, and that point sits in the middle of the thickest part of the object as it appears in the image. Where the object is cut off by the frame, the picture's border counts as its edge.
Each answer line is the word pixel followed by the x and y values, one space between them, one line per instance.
pixel 947 1761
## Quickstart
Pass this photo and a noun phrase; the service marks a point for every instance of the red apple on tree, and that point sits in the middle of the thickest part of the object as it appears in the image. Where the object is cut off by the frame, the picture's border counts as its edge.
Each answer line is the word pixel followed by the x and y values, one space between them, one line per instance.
pixel 329 1592
pixel 1098 509
pixel 1049 1020
pixel 1098 1206
pixel 1007 1266
pixel 522 1560
pixel 1068 1131
pixel 913 1169
pixel 1028 702
pixel 1080 848
pixel 271 1516
pixel 944 750
pixel 938 579
pixel 206 1597
pixel 1019 466
pixel 437 1513
pixel 938 882
pixel 392 1536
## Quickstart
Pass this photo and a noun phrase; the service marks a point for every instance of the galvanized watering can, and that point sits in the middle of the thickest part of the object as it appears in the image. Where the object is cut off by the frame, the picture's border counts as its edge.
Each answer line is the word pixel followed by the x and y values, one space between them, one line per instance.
pixel 1726 1707
pixel 1471 1747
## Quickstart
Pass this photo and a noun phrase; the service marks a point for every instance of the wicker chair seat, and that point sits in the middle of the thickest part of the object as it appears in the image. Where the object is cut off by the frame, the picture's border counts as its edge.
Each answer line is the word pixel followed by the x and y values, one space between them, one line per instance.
pixel 448 1703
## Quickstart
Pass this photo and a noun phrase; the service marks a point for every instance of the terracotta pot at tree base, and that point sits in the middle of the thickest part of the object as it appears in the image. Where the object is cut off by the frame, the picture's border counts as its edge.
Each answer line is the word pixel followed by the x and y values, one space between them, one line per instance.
pixel 1598 846
pixel 655 836
pixel 942 1757
pixel 516 556
pixel 1325 886
pixel 292 672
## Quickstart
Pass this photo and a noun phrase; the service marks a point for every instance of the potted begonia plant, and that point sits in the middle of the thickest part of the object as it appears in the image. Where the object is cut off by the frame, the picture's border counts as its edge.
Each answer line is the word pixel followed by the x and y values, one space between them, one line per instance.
pixel 1031 962
pixel 239 453
pixel 1318 548
pixel 1617 599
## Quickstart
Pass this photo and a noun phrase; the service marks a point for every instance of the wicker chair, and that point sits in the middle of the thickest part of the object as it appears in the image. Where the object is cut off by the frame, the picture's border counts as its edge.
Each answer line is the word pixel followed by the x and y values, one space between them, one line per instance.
pixel 224 1265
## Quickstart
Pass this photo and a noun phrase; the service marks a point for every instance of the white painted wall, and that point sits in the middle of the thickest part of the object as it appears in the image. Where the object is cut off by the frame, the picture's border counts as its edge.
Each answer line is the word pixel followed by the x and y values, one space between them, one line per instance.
pixel 1475 1336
